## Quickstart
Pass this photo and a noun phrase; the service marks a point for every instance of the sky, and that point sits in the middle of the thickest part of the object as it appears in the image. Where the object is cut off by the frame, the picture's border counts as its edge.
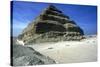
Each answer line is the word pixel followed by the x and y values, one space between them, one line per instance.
pixel 23 13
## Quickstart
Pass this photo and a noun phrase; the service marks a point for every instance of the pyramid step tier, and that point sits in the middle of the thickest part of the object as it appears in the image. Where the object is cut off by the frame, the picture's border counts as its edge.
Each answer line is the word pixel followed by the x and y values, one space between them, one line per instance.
pixel 50 12
pixel 55 36
pixel 46 27
pixel 55 18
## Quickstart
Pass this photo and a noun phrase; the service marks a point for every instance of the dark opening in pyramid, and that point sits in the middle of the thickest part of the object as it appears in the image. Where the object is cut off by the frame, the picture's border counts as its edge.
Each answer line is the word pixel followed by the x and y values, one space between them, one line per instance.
pixel 51 26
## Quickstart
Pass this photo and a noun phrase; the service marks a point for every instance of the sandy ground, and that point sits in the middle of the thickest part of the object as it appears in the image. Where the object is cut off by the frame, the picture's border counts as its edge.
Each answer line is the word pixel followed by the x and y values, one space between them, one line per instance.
pixel 70 51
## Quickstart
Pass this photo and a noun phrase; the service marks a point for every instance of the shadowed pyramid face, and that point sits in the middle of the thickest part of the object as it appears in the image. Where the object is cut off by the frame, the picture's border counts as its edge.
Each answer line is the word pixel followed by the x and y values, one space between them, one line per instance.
pixel 52 23
pixel 53 19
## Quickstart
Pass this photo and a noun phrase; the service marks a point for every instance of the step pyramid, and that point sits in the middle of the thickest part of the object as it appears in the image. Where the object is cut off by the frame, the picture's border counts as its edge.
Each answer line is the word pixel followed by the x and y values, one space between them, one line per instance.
pixel 51 26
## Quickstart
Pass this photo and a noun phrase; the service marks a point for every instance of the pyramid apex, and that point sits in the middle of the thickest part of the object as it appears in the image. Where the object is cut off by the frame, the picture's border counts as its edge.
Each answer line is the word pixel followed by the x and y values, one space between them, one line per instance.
pixel 53 8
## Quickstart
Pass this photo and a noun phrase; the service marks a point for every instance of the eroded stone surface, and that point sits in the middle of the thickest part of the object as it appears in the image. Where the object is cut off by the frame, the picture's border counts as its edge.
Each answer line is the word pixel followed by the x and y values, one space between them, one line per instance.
pixel 51 25
pixel 26 56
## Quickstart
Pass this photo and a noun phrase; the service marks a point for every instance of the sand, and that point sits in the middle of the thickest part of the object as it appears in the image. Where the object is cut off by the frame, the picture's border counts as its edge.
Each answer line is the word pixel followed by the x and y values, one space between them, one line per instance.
pixel 70 51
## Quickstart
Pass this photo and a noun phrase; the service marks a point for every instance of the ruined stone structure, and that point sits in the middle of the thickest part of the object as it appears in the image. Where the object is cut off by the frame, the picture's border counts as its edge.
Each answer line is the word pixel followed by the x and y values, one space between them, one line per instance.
pixel 51 26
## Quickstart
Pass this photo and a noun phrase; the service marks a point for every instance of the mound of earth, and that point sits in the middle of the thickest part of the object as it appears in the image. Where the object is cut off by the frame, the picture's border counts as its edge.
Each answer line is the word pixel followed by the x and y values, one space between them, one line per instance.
pixel 24 56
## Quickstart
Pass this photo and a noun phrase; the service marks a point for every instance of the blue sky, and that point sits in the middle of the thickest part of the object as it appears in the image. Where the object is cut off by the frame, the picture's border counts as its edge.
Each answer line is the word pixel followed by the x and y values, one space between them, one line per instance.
pixel 25 12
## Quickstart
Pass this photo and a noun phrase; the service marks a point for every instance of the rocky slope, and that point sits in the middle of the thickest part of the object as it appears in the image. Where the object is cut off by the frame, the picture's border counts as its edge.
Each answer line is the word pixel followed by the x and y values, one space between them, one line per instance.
pixel 51 25
pixel 26 56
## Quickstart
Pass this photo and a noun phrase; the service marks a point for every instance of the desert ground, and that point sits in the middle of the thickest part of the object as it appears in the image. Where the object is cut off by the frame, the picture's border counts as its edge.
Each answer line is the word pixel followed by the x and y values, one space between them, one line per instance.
pixel 69 51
